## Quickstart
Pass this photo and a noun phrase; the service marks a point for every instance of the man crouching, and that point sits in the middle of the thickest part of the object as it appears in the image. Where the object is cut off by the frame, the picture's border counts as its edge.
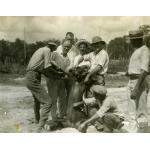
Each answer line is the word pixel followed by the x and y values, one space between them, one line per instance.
pixel 108 114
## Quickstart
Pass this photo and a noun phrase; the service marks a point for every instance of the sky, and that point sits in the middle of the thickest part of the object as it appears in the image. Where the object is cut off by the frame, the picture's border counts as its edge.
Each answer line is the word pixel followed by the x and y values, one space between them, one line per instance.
pixel 42 28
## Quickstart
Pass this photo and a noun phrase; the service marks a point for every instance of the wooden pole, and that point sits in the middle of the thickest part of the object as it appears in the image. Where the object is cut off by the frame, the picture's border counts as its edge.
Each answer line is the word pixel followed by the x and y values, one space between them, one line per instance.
pixel 25 52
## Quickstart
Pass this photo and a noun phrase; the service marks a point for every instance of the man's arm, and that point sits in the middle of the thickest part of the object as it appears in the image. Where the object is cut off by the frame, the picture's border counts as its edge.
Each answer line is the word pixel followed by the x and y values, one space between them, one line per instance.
pixel 93 71
pixel 102 58
pixel 50 67
pixel 145 62
pixel 138 84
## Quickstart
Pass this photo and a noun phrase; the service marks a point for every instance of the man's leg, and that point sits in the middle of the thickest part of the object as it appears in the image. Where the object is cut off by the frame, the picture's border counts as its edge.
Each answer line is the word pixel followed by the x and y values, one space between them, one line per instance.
pixel 36 109
pixel 68 86
pixel 64 93
pixel 62 103
pixel 33 83
pixel 44 115
pixel 111 122
pixel 131 103
pixel 142 112
pixel 45 108
pixel 52 85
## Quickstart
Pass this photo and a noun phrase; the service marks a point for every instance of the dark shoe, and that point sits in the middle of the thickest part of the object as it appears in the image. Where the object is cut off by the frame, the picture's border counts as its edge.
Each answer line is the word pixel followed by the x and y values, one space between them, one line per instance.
pixel 32 120
pixel 54 125
pixel 39 130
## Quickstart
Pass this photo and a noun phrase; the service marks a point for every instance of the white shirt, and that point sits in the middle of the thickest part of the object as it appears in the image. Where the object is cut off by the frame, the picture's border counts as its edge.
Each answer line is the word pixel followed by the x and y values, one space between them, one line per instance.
pixel 139 60
pixel 109 105
pixel 101 59
pixel 83 63
pixel 73 52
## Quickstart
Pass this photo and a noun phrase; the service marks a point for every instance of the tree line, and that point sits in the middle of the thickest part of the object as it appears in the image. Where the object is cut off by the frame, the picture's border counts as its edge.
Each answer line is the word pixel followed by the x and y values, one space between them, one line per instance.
pixel 20 51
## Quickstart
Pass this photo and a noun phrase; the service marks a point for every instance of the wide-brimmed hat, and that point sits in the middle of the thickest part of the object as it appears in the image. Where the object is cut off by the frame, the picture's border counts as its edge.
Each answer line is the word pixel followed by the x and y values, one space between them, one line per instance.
pixel 97 39
pixel 82 41
pixel 52 43
pixel 146 38
pixel 136 34
pixel 98 89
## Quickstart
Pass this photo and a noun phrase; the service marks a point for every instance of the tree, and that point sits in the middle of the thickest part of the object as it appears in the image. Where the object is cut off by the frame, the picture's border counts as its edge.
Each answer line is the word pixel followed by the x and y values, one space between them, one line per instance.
pixel 118 49
pixel 4 50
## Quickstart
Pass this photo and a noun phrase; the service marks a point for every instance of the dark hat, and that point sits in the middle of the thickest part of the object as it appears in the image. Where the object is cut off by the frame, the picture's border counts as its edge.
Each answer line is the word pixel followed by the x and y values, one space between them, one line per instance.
pixel 136 34
pixel 98 89
pixel 52 43
pixel 82 41
pixel 97 39
pixel 146 38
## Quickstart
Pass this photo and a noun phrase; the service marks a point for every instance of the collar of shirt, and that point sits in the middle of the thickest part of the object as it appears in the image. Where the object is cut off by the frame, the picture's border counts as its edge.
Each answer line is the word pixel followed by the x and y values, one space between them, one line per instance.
pixel 98 52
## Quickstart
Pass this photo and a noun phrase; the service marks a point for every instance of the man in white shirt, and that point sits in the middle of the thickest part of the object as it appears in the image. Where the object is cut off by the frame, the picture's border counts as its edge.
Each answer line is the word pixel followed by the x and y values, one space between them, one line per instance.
pixel 137 71
pixel 72 53
pixel 56 88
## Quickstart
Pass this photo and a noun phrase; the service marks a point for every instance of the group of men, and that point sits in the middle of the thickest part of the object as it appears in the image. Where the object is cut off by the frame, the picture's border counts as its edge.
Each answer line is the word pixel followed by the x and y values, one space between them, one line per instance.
pixel 55 63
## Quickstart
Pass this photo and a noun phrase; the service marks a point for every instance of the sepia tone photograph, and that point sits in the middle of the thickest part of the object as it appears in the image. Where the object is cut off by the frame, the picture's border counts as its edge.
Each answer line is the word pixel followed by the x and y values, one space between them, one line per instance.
pixel 74 74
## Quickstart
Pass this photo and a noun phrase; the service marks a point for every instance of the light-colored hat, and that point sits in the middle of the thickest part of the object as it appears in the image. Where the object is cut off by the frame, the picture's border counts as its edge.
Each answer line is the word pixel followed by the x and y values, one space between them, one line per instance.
pixel 98 89
pixel 97 39
pixel 136 34
pixel 52 43
pixel 82 41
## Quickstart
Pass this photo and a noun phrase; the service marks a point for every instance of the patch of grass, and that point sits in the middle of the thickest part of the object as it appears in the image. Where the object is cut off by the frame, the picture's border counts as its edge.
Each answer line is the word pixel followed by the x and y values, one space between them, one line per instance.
pixel 117 66
pixel 116 81
pixel 7 78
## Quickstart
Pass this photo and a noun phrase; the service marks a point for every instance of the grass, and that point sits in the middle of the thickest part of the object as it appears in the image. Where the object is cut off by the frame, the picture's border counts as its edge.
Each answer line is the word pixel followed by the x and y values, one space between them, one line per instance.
pixel 117 66
pixel 9 79
pixel 116 81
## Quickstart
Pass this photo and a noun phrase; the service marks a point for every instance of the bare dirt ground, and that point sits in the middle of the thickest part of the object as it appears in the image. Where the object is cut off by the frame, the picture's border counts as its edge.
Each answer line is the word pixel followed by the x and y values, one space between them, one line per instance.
pixel 16 103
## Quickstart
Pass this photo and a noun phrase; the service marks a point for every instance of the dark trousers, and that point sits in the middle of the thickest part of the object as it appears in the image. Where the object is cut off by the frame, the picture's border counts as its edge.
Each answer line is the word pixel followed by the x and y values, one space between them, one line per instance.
pixel 112 121
pixel 33 83
pixel 57 92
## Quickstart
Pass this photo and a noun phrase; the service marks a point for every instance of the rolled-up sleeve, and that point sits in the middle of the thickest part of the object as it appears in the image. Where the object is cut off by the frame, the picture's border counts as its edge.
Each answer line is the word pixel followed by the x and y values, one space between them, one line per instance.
pixel 102 59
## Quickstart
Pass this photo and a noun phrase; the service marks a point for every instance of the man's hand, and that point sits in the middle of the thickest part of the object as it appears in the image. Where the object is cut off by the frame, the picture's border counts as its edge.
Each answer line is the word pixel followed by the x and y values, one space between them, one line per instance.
pixel 82 127
pixel 80 60
pixel 134 94
pixel 86 79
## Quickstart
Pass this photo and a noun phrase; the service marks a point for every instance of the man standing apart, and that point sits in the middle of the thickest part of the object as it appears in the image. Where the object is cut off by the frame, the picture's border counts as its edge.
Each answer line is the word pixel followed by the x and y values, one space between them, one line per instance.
pixel 137 71
pixel 40 60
